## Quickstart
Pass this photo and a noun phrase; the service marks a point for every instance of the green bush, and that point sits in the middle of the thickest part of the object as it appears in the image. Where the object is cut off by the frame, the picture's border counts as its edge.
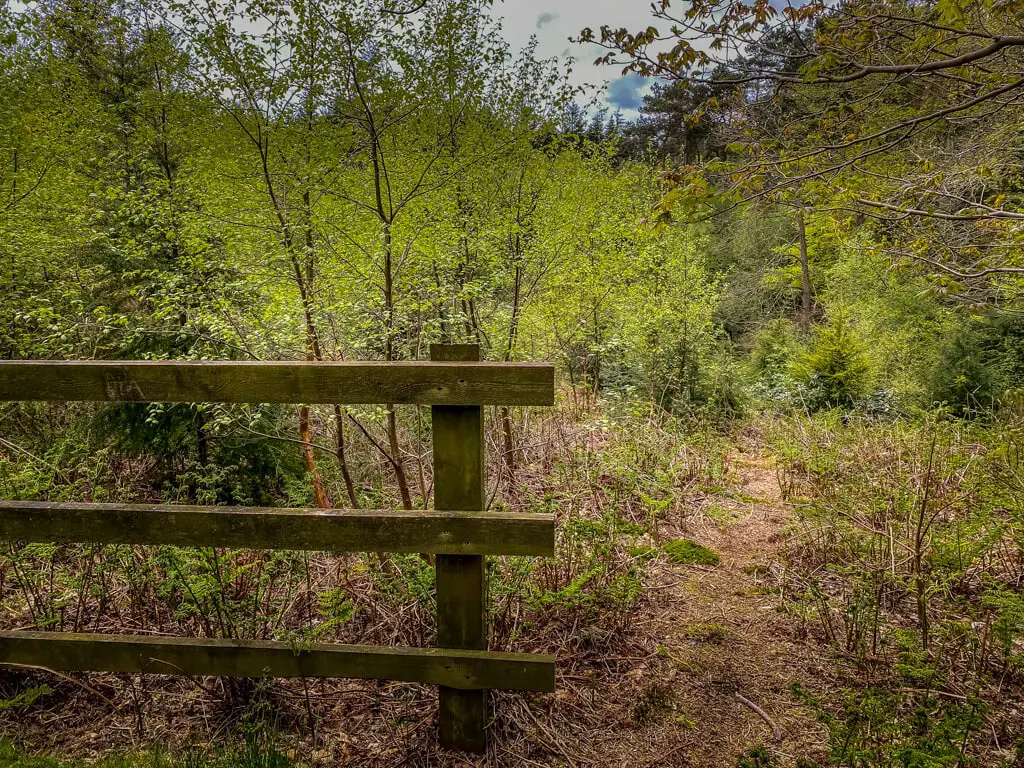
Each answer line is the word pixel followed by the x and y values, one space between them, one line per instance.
pixel 836 368
pixel 723 389
pixel 965 375
pixel 878 727
pixel 758 757
pixel 776 347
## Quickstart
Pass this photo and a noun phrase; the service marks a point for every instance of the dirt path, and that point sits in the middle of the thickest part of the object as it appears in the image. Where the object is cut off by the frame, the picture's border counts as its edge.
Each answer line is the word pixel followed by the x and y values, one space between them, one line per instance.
pixel 726 638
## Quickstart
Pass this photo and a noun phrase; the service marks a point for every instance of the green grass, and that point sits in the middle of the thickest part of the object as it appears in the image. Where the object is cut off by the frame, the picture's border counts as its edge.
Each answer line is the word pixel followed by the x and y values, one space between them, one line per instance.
pixel 253 753
pixel 687 552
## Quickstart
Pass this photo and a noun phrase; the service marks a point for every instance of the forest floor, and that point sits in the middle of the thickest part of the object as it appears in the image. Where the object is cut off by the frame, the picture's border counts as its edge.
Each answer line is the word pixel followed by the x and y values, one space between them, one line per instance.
pixel 699 676
pixel 732 651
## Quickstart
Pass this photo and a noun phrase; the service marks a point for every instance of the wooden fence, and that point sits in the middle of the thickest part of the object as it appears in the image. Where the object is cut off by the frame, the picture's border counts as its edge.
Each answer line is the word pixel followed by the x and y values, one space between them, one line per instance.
pixel 457 531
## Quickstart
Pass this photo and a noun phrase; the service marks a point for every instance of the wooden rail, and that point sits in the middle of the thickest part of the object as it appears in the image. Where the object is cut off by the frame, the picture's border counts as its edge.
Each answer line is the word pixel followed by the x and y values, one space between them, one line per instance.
pixel 425 383
pixel 321 530
pixel 458 530
pixel 255 658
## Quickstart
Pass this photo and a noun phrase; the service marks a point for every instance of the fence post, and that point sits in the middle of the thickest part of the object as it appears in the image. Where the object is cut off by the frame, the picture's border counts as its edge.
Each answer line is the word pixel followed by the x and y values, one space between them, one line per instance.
pixel 458 445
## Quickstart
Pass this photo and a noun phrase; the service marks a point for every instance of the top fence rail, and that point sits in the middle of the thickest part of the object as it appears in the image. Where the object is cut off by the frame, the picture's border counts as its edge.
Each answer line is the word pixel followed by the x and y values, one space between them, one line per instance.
pixel 421 383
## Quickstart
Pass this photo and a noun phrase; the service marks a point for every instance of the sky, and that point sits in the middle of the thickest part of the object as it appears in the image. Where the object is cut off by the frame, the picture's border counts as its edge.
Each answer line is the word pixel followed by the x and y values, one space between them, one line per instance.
pixel 555 21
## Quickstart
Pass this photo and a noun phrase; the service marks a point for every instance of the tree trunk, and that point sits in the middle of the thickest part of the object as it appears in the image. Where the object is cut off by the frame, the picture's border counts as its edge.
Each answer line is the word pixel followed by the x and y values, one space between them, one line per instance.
pixel 303 278
pixel 302 267
pixel 320 497
pixel 389 355
pixel 805 273
pixel 339 426
pixel 508 436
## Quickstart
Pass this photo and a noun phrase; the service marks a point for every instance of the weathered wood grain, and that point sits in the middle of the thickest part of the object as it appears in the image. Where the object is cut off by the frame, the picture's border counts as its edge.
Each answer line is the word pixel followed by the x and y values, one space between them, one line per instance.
pixel 425 383
pixel 442 533
pixel 458 445
pixel 455 669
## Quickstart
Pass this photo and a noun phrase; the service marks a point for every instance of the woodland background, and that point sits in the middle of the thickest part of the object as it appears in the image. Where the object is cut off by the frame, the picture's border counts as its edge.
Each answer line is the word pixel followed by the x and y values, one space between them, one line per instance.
pixel 807 249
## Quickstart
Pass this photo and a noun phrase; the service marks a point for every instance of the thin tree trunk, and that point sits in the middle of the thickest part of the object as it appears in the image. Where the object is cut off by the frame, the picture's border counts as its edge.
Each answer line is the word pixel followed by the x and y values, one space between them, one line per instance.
pixel 313 352
pixel 805 272
pixel 397 463
pixel 508 436
pixel 320 497
pixel 920 542
pixel 339 426
pixel 389 355
pixel 303 280
pixel 509 445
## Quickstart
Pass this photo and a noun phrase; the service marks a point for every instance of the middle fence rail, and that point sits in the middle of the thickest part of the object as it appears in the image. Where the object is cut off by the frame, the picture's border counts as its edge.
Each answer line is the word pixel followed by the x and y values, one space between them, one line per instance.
pixel 460 532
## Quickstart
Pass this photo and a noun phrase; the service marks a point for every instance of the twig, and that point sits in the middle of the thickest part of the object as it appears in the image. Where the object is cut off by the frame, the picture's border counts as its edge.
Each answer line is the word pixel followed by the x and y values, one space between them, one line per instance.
pixel 776 731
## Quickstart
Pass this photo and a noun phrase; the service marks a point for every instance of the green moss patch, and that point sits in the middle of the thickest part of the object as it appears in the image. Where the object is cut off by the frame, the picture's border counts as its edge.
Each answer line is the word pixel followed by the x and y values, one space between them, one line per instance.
pixel 711 633
pixel 687 552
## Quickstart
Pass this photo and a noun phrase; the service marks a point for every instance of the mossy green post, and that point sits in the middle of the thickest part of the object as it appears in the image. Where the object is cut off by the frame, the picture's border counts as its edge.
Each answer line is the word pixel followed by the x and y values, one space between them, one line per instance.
pixel 458 434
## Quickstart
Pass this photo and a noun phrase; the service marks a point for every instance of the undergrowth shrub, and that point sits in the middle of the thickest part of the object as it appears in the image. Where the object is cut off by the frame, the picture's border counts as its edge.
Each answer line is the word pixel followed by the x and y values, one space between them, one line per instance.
pixel 977 366
pixel 907 560
pixel 776 347
pixel 725 397
pixel 252 751
pixel 964 376
pixel 619 485
pixel 757 757
pixel 835 369
pixel 881 727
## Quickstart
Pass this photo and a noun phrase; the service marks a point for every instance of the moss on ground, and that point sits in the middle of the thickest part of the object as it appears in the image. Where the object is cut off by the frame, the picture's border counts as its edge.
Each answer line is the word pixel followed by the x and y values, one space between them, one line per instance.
pixel 687 552
pixel 711 633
